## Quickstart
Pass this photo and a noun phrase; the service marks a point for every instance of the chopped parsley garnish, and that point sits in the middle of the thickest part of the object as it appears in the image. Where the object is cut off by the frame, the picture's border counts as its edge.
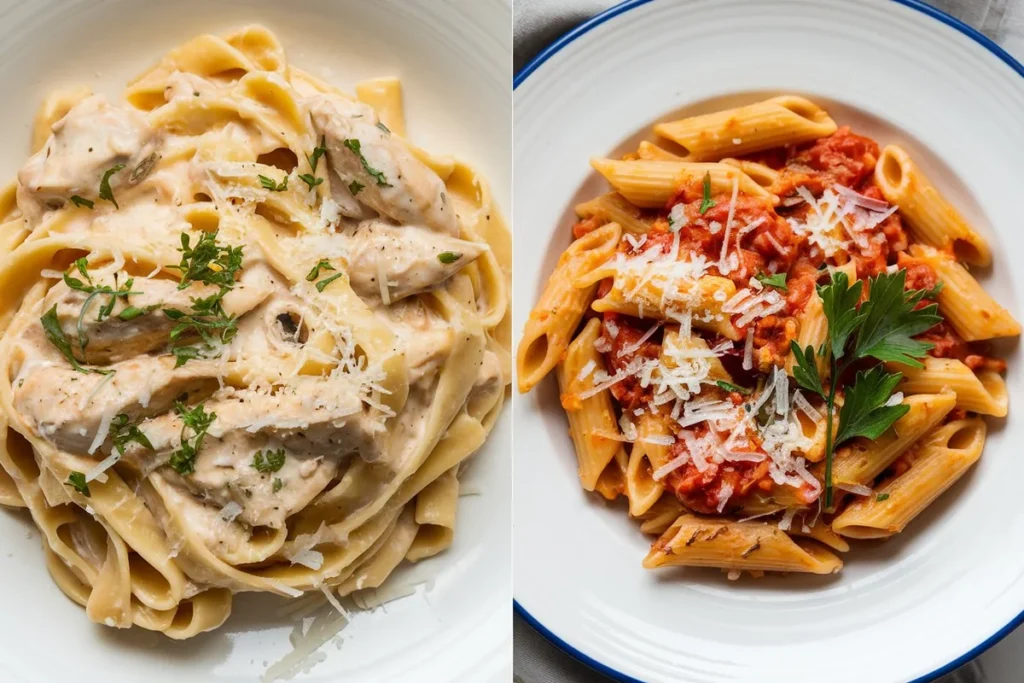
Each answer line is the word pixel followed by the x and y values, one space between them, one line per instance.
pixel 94 291
pixel 380 124
pixel 310 180
pixel 208 262
pixel 729 386
pixel 882 329
pixel 269 184
pixel 318 152
pixel 322 264
pixel 706 203
pixel 184 354
pixel 76 480
pixel 356 148
pixel 131 313
pixel 272 461
pixel 778 280
pixel 278 484
pixel 448 257
pixel 123 432
pixel 882 497
pixel 105 191
pixel 355 187
pixel 81 201
pixel 55 335
pixel 194 420
pixel 326 281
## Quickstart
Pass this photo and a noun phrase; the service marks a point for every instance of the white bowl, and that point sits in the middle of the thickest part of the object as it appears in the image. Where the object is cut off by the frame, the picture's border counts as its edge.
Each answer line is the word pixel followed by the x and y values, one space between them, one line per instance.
pixel 910 608
pixel 453 59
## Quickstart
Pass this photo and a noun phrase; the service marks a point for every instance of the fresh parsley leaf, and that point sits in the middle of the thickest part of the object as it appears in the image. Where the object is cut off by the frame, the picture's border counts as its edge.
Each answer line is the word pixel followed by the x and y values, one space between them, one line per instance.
pixel 355 187
pixel 269 184
pixel 706 202
pixel 326 281
pixel 805 370
pixel 131 313
pixel 322 264
pixel 76 480
pixel 82 265
pixel 448 257
pixel 278 484
pixel 123 432
pixel 729 386
pixel 864 412
pixel 318 152
pixel 839 301
pixel 184 354
pixel 891 318
pixel 778 280
pixel 105 191
pixel 380 124
pixel 310 180
pixel 272 461
pixel 933 293
pixel 209 261
pixel 881 497
pixel 82 201
pixel 194 420
pixel 356 148
pixel 55 335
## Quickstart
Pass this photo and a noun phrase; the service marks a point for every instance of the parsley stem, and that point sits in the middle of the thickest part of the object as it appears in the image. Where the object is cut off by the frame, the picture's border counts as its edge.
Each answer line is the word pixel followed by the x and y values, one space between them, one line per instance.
pixel 828 432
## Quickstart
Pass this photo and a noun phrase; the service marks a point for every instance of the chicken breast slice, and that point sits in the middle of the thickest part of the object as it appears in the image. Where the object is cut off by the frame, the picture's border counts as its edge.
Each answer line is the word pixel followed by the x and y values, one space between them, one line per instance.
pixel 68 408
pixel 115 338
pixel 378 169
pixel 411 259
pixel 91 139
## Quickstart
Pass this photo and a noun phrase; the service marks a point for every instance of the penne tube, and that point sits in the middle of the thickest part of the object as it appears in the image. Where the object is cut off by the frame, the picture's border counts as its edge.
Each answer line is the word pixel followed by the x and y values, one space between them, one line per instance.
pixel 661 515
pixel 650 151
pixel 930 218
pixel 560 308
pixel 693 351
pixel 614 208
pixel 940 459
pixel 592 422
pixel 821 532
pixel 812 331
pixel 860 462
pixel 763 175
pixel 754 545
pixel 612 482
pixel 984 392
pixel 965 304
pixel 650 184
pixel 776 122
pixel 647 455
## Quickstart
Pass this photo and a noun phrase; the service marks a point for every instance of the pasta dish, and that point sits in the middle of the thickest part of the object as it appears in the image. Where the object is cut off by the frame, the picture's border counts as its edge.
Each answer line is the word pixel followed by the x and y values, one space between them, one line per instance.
pixel 767 339
pixel 250 335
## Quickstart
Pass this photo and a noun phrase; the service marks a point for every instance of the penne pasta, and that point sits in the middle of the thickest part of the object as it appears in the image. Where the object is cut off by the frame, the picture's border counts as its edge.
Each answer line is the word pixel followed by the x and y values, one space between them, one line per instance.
pixel 965 304
pixel 938 461
pixel 931 219
pixel 650 151
pixel 696 542
pixel 561 306
pixel 984 393
pixel 812 331
pixel 613 208
pixel 650 184
pixel 763 175
pixel 776 122
pixel 647 455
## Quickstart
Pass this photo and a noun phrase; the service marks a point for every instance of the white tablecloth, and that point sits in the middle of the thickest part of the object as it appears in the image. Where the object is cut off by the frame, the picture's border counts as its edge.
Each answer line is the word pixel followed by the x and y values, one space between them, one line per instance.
pixel 537 24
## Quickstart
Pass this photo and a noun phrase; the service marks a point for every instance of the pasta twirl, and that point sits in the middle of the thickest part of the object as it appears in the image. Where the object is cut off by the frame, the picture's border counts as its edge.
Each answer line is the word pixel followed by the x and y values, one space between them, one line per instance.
pixel 249 336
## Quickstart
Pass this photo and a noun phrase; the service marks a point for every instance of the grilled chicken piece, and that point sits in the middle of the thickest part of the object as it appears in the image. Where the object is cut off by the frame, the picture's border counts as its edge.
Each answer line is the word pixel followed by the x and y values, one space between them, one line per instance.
pixel 91 139
pixel 379 168
pixel 115 339
pixel 411 258
pixel 68 407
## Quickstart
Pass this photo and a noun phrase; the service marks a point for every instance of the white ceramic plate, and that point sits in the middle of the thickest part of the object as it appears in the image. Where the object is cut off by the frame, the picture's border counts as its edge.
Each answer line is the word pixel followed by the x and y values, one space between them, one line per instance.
pixel 453 58
pixel 907 609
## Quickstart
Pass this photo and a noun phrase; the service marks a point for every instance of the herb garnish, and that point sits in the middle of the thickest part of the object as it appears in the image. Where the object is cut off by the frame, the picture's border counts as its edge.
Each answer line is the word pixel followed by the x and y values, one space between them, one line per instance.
pixel 729 386
pixel 318 152
pixel 706 203
pixel 355 187
pixel 76 480
pixel 881 329
pixel 123 432
pixel 278 484
pixel 94 291
pixel 322 264
pixel 448 257
pixel 778 280
pixel 269 184
pixel 198 422
pixel 105 191
pixel 81 201
pixel 55 335
pixel 356 148
pixel 881 497
pixel 271 462
pixel 380 124
pixel 310 180
pixel 326 281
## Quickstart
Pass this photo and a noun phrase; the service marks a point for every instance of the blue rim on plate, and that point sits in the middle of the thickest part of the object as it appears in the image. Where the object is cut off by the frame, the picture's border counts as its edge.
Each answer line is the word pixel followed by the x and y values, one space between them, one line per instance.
pixel 613 12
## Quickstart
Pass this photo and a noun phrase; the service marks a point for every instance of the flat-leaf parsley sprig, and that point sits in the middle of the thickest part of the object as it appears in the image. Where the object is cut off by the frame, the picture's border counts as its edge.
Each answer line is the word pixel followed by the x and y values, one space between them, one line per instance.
pixel 882 329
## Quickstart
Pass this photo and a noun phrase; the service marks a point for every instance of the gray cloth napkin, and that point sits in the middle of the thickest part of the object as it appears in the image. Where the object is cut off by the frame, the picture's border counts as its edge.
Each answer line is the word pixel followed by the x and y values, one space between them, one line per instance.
pixel 537 24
